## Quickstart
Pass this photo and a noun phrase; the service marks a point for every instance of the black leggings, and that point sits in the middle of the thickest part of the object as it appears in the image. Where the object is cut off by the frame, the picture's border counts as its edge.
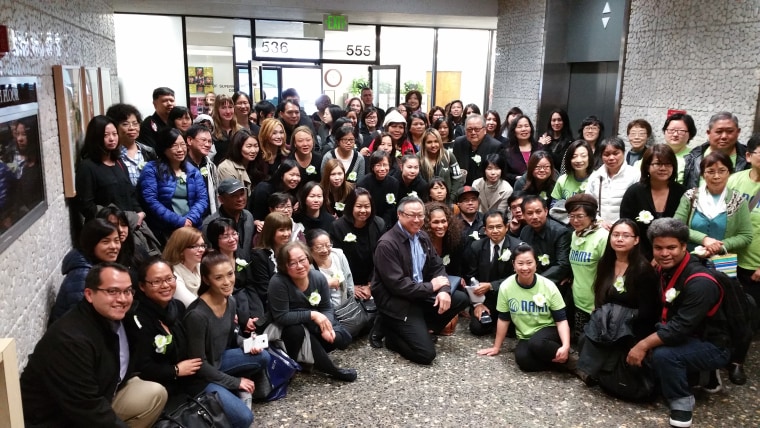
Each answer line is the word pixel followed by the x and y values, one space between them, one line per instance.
pixel 293 336
pixel 536 354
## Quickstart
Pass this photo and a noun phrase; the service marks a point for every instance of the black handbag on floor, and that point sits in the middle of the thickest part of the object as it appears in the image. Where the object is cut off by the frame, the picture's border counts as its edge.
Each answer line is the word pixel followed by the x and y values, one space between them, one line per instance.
pixel 202 411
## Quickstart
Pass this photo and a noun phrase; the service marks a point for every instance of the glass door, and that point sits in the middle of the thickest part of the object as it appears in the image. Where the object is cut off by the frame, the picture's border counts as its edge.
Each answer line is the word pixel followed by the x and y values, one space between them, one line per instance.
pixel 307 81
pixel 385 82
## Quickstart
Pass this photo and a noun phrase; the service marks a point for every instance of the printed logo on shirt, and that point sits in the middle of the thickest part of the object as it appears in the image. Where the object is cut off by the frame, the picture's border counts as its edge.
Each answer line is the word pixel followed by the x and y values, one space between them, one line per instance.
pixel 580 256
pixel 525 307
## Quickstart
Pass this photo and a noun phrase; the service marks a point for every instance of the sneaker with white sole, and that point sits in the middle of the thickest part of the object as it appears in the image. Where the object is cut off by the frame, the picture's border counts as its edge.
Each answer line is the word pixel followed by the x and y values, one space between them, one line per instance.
pixel 680 418
pixel 714 383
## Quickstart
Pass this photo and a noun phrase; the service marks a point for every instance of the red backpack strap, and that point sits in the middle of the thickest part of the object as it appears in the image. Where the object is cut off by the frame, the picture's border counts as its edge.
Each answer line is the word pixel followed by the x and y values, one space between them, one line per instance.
pixel 720 287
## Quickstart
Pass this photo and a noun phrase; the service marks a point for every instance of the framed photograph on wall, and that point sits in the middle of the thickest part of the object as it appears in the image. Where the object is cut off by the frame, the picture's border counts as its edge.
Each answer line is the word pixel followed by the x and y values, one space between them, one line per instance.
pixel 90 91
pixel 22 182
pixel 105 87
pixel 71 126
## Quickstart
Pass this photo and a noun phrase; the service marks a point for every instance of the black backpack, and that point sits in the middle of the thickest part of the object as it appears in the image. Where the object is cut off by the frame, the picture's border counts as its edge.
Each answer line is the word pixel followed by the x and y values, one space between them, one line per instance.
pixel 735 305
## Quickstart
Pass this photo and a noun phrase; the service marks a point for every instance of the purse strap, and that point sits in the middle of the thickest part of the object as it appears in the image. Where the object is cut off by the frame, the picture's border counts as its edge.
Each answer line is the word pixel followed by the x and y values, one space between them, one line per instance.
pixel 753 202
pixel 692 201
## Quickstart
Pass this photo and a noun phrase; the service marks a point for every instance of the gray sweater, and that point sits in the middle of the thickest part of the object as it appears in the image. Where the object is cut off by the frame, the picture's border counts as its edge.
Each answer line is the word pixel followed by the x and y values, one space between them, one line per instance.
pixel 291 306
pixel 208 337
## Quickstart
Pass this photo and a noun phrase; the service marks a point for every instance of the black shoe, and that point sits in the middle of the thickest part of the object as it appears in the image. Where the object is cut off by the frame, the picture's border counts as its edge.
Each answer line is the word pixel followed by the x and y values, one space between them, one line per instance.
pixel 714 384
pixel 375 339
pixel 680 418
pixel 586 378
pixel 346 375
pixel 736 374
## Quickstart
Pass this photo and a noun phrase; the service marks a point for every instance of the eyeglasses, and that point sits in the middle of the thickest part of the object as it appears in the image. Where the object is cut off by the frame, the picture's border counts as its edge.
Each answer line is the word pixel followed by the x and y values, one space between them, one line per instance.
pixel 175 146
pixel 495 227
pixel 171 280
pixel 721 171
pixel 320 247
pixel 197 247
pixel 543 167
pixel 347 140
pixel 577 216
pixel 677 131
pixel 300 262
pixel 622 235
pixel 229 236
pixel 661 165
pixel 114 292
pixel 474 130
pixel 414 215
pixel 130 125
pixel 287 207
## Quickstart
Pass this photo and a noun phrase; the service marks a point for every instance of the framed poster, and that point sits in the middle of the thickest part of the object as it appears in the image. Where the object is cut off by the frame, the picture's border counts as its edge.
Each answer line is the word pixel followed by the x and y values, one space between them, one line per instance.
pixel 105 87
pixel 71 125
pixel 22 183
pixel 200 80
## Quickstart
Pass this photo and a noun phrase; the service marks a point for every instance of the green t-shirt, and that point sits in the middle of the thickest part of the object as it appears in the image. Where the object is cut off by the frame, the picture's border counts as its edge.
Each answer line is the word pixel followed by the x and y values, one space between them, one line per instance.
pixel 521 304
pixel 707 152
pixel 568 186
pixel 681 163
pixel 584 256
pixel 749 256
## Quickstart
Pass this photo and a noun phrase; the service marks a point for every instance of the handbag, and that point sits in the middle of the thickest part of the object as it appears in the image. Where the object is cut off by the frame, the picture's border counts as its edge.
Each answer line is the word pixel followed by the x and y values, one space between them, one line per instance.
pixel 202 411
pixel 353 316
pixel 272 383
pixel 725 263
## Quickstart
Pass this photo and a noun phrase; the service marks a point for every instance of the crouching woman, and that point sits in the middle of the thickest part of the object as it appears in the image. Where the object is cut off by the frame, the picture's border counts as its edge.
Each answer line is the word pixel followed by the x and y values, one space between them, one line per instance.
pixel 536 307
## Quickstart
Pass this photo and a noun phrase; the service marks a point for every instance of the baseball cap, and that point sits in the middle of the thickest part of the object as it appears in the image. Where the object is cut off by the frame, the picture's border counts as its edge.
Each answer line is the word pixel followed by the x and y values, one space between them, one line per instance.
pixel 229 186
pixel 465 190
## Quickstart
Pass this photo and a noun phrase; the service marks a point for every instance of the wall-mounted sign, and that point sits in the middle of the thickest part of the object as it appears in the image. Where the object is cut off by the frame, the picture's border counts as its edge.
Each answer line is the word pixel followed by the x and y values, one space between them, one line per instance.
pixel 335 22
pixel 284 48
pixel 672 111
pixel 357 44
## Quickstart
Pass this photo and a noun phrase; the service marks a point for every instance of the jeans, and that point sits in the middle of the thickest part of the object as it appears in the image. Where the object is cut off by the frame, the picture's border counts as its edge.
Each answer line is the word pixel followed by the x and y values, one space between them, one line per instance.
pixel 673 363
pixel 239 415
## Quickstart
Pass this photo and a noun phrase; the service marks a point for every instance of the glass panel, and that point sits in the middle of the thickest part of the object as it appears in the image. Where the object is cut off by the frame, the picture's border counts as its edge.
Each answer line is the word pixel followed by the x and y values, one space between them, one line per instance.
pixel 344 81
pixel 243 51
pixel 412 49
pixel 243 82
pixel 277 49
pixel 209 57
pixel 356 44
pixel 270 84
pixel 461 76
pixel 308 83
pixel 295 29
pixel 384 86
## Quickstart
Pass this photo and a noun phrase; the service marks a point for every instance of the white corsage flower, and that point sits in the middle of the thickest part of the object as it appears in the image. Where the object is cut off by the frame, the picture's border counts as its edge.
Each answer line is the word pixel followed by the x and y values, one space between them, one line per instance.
pixel 340 206
pixel 542 195
pixel 671 295
pixel 390 198
pixel 350 237
pixel 311 170
pixel 413 194
pixel 579 242
pixel 476 159
pixel 544 259
pixel 539 300
pixel 351 176
pixel 583 186
pixel 240 264
pixel 141 165
pixel 645 217
pixel 619 284
pixel 204 171
pixel 182 178
pixel 700 251
pixel 474 235
pixel 161 342
pixel 314 298
pixel 339 276
pixel 446 260
pixel 137 322
pixel 505 255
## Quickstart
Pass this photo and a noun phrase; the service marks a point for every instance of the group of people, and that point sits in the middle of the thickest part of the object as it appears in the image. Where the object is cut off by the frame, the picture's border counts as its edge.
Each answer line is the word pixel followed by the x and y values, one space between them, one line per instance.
pixel 202 231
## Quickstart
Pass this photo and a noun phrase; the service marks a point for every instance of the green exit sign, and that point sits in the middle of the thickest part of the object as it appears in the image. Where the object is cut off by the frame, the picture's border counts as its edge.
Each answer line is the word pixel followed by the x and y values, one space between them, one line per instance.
pixel 336 22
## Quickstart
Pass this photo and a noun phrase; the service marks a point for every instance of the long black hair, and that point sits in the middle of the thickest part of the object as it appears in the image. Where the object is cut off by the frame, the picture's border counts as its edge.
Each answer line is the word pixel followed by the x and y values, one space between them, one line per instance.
pixel 128 255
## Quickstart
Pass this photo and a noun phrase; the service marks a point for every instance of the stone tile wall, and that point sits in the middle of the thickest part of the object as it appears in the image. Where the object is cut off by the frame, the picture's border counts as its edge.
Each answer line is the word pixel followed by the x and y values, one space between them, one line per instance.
pixel 692 55
pixel 519 55
pixel 46 33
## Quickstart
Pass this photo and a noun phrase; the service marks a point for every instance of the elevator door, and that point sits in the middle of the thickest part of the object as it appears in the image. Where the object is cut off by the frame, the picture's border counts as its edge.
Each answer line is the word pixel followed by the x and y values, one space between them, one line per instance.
pixel 592 92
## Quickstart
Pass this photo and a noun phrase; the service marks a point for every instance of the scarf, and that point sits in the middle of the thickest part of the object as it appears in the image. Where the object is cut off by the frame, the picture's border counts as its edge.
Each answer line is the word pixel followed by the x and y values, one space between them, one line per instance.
pixel 593 227
pixel 706 203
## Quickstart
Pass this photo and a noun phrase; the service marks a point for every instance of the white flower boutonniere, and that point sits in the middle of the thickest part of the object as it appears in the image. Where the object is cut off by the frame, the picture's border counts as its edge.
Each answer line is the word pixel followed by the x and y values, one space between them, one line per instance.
pixel 182 178
pixel 476 159
pixel 699 251
pixel 412 193
pixel 240 264
pixel 544 259
pixel 141 165
pixel 446 260
pixel 204 171
pixel 505 255
pixel 137 322
pixel 579 242
pixel 474 235
pixel 645 217
pixel 339 276
pixel 539 300
pixel 314 298
pixel 350 237
pixel 311 170
pixel 542 195
pixel 583 186
pixel 390 198
pixel 671 295
pixel 340 206
pixel 351 176
pixel 161 342
pixel 619 284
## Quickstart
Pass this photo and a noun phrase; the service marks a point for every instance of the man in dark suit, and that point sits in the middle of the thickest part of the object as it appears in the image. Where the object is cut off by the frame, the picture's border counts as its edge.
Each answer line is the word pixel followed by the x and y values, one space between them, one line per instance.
pixel 471 149
pixel 489 261
pixel 549 238
pixel 410 286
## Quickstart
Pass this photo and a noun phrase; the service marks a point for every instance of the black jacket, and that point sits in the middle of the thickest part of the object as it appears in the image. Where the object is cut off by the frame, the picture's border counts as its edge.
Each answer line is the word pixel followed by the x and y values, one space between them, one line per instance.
pixel 393 288
pixel 359 254
pixel 464 154
pixel 554 241
pixel 149 129
pixel 694 158
pixel 638 198
pixel 73 373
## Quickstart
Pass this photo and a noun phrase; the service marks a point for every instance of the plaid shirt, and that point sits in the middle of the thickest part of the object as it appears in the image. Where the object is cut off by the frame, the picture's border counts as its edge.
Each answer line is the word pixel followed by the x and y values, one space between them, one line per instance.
pixel 134 166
